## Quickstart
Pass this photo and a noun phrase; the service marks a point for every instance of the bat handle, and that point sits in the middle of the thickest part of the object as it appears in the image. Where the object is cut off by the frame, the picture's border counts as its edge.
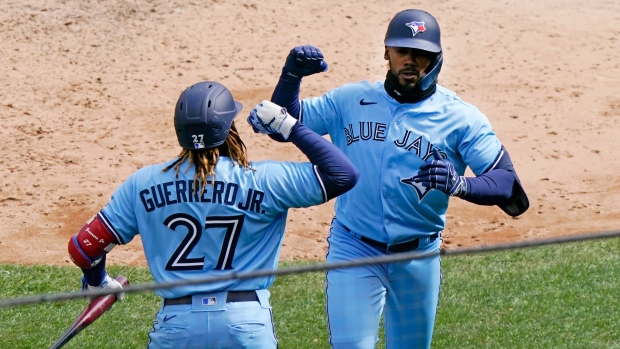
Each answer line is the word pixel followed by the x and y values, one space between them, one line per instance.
pixel 95 308
pixel 66 337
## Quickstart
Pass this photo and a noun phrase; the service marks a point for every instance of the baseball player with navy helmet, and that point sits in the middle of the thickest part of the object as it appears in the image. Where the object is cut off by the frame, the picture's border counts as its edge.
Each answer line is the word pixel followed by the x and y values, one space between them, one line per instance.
pixel 211 212
pixel 411 140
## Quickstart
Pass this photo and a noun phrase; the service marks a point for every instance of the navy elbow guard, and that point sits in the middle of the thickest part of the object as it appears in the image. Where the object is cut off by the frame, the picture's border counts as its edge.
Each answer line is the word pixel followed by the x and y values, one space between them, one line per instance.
pixel 518 203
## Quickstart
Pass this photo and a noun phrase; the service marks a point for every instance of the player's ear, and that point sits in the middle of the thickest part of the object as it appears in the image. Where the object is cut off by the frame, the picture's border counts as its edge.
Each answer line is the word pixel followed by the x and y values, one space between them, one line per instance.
pixel 386 55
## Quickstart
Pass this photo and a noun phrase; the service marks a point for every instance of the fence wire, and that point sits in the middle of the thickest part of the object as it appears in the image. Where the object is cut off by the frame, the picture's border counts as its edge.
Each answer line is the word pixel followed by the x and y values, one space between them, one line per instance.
pixel 396 257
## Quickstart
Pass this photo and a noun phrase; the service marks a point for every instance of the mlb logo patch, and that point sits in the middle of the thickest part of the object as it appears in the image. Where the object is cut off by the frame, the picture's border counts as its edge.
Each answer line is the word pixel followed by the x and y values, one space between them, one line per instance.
pixel 199 145
pixel 209 301
pixel 416 27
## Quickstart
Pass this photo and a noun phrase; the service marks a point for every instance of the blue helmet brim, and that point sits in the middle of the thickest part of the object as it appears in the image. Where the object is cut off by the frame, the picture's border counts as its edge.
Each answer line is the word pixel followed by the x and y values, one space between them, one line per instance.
pixel 238 107
pixel 415 43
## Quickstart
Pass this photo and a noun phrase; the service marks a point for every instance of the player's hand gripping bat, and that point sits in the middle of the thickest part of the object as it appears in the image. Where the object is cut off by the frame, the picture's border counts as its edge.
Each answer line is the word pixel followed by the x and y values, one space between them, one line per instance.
pixel 92 312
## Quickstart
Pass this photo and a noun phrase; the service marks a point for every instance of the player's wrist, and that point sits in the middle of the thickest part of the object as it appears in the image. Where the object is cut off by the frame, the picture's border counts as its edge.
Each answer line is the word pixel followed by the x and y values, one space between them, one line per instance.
pixel 295 127
pixel 290 76
pixel 286 127
pixel 461 189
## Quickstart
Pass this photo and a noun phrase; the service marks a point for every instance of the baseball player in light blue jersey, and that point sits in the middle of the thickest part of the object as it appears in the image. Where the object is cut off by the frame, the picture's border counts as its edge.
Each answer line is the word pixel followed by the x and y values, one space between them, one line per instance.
pixel 411 140
pixel 210 212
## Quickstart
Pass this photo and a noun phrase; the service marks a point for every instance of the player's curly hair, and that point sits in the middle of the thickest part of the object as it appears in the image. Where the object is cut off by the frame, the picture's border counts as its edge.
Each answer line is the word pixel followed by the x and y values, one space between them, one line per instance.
pixel 205 159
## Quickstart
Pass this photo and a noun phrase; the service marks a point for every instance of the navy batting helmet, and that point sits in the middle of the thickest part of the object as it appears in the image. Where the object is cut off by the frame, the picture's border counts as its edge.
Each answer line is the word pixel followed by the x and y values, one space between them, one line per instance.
pixel 203 115
pixel 419 30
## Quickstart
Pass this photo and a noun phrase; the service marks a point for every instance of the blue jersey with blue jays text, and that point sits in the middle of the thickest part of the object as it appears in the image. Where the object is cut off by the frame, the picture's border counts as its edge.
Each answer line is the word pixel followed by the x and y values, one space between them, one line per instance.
pixel 387 141
pixel 236 225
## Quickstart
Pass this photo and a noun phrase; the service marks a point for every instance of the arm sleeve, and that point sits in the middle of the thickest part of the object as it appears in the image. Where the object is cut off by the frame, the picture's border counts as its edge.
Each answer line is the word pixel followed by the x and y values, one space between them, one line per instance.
pixel 499 186
pixel 286 94
pixel 491 188
pixel 334 170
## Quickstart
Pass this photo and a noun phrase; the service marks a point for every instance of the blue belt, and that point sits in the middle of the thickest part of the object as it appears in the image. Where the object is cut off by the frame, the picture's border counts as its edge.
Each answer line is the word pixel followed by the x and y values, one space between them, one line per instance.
pixel 402 247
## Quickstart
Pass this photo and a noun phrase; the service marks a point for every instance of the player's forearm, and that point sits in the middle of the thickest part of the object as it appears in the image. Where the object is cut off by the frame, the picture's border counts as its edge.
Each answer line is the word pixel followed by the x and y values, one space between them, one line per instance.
pixel 286 94
pixel 336 171
pixel 492 188
pixel 95 275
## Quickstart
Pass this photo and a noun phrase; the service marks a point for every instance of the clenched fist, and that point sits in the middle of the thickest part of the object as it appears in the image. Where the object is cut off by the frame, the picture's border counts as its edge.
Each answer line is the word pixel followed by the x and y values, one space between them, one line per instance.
pixel 270 118
pixel 303 61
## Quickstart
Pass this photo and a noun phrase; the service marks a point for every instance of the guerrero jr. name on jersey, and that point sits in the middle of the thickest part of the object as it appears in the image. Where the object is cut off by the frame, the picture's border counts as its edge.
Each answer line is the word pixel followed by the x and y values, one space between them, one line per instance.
pixel 170 193
pixel 375 131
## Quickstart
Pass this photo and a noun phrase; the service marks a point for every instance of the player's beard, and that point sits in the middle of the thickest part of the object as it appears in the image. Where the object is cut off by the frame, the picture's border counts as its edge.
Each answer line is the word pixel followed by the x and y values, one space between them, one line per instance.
pixel 406 84
pixel 408 93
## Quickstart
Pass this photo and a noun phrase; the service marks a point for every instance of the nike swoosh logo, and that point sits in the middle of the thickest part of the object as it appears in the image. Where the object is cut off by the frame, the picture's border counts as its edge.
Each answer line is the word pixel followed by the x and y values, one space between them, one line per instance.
pixel 166 318
pixel 362 102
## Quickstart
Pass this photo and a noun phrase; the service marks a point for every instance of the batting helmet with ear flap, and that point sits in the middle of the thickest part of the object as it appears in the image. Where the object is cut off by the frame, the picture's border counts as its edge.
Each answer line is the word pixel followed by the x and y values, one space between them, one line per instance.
pixel 203 115
pixel 419 30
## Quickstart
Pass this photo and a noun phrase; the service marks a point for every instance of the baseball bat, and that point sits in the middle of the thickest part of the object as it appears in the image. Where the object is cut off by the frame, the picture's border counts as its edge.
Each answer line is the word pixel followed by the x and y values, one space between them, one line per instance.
pixel 92 312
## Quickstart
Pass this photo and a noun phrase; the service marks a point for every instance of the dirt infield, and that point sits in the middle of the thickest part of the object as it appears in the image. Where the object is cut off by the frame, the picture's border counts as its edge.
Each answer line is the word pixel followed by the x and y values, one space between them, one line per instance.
pixel 88 92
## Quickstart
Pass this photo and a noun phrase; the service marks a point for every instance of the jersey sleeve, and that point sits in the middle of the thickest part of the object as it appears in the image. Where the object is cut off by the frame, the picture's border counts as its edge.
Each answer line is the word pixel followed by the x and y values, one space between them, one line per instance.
pixel 119 214
pixel 321 114
pixel 290 184
pixel 479 146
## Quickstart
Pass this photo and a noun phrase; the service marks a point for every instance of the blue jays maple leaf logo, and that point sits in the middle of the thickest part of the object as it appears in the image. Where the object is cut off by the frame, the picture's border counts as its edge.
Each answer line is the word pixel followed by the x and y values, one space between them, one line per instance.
pixel 414 182
pixel 416 27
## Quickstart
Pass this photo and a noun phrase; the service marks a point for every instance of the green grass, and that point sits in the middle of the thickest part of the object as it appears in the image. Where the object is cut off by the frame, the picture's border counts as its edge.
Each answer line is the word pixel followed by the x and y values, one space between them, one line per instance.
pixel 38 326
pixel 565 296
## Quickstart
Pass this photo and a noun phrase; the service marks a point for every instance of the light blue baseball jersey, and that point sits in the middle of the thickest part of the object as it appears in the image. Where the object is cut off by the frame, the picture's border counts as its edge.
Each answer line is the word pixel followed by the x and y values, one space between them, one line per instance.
pixel 236 225
pixel 387 141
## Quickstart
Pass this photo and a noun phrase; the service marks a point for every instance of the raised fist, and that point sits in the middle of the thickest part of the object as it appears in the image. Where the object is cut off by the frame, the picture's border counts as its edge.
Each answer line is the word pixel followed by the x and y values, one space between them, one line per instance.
pixel 303 61
pixel 270 118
